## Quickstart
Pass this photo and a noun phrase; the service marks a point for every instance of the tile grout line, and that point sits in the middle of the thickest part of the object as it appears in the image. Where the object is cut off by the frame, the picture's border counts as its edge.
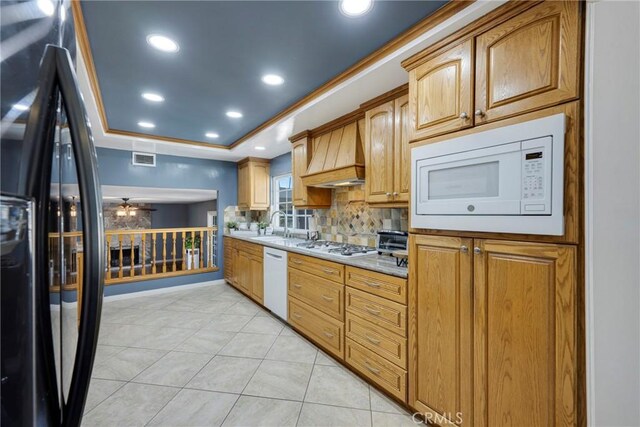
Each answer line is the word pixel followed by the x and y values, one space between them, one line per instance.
pixel 307 388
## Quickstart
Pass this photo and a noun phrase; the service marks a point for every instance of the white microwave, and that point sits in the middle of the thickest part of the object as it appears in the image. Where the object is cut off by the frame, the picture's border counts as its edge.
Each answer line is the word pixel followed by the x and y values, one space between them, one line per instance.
pixel 507 180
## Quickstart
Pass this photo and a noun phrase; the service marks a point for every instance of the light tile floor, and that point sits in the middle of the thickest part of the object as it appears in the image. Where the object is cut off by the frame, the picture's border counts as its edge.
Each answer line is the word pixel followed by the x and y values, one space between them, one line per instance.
pixel 209 357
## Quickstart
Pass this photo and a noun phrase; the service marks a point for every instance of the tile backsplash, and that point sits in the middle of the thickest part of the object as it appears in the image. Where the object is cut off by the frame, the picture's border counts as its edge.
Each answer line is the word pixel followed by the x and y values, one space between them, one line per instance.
pixel 350 219
pixel 353 220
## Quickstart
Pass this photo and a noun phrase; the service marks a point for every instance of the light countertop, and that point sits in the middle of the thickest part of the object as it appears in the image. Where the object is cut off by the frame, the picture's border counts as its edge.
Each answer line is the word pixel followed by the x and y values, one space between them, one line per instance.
pixel 380 263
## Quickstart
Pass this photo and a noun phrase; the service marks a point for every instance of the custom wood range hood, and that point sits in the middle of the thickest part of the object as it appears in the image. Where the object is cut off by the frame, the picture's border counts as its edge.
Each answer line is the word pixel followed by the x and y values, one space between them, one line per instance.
pixel 337 153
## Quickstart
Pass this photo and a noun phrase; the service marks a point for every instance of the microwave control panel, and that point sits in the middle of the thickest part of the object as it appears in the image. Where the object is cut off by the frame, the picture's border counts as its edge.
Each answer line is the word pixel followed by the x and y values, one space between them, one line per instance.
pixel 535 170
pixel 533 177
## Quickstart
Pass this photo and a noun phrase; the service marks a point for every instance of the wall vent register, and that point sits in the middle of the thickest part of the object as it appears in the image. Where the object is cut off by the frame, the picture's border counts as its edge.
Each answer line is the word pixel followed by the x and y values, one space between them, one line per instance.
pixel 143 159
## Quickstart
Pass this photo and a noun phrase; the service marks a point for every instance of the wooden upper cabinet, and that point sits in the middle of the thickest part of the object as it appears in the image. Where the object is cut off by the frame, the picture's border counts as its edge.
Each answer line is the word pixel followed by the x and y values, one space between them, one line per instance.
pixel 388 162
pixel 441 93
pixel 525 334
pixel 402 154
pixel 253 184
pixel 303 196
pixel 440 328
pixel 299 168
pixel 528 62
pixel 379 153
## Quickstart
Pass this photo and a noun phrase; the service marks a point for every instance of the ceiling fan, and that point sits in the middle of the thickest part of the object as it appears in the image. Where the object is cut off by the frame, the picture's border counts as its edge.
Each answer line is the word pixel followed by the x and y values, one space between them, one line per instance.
pixel 127 209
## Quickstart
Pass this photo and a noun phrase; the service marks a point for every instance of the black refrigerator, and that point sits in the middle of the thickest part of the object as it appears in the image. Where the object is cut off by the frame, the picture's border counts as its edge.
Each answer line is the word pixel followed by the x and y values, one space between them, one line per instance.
pixel 51 226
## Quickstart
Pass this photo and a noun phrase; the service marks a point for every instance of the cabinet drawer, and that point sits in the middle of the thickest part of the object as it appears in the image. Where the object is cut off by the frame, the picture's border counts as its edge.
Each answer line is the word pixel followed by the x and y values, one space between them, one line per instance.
pixel 382 312
pixel 382 342
pixel 324 330
pixel 251 248
pixel 383 373
pixel 318 267
pixel 322 294
pixel 383 285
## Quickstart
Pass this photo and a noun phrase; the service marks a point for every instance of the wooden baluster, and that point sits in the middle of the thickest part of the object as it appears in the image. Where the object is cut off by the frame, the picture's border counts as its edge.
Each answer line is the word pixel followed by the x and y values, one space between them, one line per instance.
pixel 201 249
pixel 120 256
pixel 208 247
pixel 131 253
pixel 143 253
pixel 174 251
pixel 108 257
pixel 164 251
pixel 184 254
pixel 153 256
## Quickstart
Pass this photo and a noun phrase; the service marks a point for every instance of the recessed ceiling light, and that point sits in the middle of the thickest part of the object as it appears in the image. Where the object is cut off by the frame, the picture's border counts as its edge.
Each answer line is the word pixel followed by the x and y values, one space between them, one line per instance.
pixel 146 125
pixel 47 7
pixel 153 97
pixel 234 114
pixel 162 43
pixel 20 107
pixel 259 148
pixel 272 79
pixel 355 7
pixel 211 135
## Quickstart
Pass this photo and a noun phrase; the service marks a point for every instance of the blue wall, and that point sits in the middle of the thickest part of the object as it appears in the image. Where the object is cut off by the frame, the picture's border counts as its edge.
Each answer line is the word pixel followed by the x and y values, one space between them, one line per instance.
pixel 281 165
pixel 115 168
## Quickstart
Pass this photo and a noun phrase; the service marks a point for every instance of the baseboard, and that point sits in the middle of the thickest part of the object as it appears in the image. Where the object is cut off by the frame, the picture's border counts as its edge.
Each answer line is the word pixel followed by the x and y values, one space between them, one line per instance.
pixel 164 290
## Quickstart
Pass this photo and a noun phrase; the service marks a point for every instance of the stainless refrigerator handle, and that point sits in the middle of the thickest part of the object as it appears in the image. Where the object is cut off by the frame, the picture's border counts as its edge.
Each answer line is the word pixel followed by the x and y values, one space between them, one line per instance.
pixel 35 183
pixel 93 240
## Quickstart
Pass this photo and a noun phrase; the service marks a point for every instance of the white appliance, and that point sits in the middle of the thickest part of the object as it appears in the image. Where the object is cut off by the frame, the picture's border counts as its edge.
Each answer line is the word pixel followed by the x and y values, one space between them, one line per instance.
pixel 275 281
pixel 508 179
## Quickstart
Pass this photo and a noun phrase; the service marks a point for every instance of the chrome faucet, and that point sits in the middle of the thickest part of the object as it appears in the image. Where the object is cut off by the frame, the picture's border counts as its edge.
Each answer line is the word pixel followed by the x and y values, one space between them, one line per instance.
pixel 286 229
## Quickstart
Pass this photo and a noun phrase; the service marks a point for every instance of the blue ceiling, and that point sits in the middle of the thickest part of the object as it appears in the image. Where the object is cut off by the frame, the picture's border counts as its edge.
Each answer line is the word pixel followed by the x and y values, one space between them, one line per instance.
pixel 225 48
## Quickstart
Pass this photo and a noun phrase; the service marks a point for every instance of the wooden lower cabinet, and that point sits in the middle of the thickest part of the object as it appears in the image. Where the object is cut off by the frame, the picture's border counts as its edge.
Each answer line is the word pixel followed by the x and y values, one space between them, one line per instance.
pixel 378 311
pixel 440 327
pixel 228 261
pixel 257 278
pixel 524 334
pixel 244 268
pixel 382 342
pixel 322 294
pixel 492 332
pixel 382 372
pixel 324 330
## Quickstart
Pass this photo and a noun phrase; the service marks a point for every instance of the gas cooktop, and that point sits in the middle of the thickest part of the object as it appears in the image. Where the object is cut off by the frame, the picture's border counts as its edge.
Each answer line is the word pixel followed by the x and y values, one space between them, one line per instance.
pixel 338 249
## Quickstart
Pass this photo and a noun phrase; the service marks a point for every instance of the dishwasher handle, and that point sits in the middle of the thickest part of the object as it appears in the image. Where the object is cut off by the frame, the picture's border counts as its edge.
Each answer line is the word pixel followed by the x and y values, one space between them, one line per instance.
pixel 274 255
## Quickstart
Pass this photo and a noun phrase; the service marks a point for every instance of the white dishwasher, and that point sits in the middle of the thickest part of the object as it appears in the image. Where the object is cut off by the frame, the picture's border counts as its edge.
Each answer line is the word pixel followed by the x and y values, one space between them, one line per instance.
pixel 275 281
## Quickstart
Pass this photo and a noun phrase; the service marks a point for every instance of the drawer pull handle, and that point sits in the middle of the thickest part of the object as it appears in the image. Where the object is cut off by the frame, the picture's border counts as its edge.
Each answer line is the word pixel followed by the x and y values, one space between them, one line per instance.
pixel 296 315
pixel 329 271
pixel 372 310
pixel 328 334
pixel 372 284
pixel 371 368
pixel 371 339
pixel 295 285
pixel 326 298
pixel 296 261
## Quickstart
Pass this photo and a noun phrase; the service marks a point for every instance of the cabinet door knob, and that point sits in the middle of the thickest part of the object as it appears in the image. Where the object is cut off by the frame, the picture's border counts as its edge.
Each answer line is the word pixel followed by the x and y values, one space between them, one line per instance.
pixel 479 113
pixel 464 116
pixel 395 193
pixel 464 249
pixel 388 194
pixel 477 250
